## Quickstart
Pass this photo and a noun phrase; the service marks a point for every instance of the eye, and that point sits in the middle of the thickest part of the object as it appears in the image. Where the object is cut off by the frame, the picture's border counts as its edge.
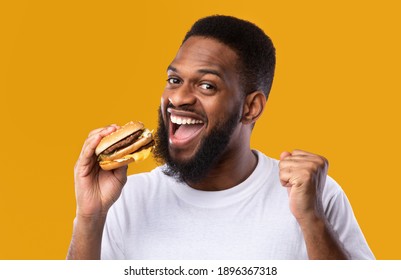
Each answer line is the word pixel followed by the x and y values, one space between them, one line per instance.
pixel 207 86
pixel 173 81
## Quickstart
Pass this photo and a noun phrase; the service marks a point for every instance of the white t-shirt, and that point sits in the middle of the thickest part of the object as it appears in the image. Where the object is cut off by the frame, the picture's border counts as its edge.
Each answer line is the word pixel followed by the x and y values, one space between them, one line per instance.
pixel 158 218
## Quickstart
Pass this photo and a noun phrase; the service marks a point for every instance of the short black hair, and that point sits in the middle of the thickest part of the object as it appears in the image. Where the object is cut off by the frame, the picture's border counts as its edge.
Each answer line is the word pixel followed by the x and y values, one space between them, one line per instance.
pixel 256 52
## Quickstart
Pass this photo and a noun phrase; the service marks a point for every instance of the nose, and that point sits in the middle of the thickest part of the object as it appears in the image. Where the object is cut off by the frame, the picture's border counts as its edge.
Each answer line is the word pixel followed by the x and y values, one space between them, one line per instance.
pixel 182 96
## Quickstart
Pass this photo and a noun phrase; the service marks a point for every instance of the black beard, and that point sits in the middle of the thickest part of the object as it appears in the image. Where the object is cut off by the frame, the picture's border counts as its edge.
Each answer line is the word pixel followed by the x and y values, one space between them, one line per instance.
pixel 211 148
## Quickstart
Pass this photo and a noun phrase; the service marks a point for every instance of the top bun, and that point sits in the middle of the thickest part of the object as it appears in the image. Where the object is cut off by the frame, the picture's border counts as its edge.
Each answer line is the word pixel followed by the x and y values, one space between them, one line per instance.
pixel 118 135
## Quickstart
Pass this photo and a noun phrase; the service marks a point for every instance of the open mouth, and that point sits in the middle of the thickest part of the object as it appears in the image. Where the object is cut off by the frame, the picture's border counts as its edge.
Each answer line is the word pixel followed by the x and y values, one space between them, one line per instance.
pixel 184 126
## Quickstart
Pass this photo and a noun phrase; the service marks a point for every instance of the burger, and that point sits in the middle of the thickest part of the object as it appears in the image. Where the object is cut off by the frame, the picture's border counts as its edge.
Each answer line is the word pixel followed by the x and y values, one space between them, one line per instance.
pixel 132 142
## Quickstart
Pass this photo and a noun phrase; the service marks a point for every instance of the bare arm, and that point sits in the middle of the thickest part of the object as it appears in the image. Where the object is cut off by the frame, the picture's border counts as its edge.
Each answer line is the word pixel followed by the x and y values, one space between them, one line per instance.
pixel 86 239
pixel 304 174
pixel 96 190
pixel 321 242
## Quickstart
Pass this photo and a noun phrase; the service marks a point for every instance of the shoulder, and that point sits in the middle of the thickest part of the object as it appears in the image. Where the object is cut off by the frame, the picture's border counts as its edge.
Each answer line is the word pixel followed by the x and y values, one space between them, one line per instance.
pixel 332 188
pixel 265 161
pixel 334 199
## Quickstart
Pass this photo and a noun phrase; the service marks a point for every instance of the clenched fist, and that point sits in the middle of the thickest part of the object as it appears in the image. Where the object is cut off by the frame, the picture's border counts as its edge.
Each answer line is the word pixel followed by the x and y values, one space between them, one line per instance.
pixel 304 175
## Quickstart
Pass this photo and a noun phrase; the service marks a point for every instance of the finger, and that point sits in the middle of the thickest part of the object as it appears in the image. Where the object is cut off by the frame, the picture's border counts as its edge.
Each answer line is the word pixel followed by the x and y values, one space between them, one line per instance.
pixel 87 157
pixel 296 155
pixel 89 147
pixel 108 130
pixel 293 161
pixel 121 174
pixel 300 152
pixel 290 171
pixel 102 132
pixel 285 173
pixel 303 154
pixel 285 183
pixel 299 156
pixel 284 154
pixel 293 179
pixel 285 165
pixel 96 131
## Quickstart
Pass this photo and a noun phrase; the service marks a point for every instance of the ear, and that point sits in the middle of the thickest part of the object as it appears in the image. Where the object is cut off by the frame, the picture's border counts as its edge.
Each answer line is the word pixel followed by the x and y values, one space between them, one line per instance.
pixel 253 107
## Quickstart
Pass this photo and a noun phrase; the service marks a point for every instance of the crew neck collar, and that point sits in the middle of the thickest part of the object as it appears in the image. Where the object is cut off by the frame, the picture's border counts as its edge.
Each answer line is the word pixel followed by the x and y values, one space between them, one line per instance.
pixel 216 199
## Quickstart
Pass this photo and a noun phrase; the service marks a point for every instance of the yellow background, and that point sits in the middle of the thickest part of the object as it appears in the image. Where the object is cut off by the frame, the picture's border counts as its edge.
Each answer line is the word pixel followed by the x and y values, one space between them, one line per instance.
pixel 67 67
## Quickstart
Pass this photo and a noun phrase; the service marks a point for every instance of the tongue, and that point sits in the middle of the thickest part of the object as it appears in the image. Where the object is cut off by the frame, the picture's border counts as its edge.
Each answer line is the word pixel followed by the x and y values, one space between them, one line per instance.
pixel 187 130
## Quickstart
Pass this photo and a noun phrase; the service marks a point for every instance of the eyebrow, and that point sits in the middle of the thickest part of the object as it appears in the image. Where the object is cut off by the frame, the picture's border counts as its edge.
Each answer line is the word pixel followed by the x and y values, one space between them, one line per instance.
pixel 201 71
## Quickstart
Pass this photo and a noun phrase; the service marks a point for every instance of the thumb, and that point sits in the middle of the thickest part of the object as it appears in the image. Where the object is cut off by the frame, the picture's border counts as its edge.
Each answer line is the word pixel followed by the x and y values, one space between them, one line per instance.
pixel 284 154
pixel 121 174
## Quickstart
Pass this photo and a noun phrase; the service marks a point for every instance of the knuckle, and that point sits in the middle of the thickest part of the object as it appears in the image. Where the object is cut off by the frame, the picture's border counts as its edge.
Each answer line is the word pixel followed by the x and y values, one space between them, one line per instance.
pixel 306 176
pixel 322 160
pixel 92 132
pixel 284 165
pixel 311 166
pixel 325 161
pixel 95 131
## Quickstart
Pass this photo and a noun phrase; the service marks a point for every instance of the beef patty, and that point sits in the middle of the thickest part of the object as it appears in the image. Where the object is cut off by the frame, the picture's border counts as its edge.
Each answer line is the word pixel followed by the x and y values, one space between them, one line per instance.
pixel 123 143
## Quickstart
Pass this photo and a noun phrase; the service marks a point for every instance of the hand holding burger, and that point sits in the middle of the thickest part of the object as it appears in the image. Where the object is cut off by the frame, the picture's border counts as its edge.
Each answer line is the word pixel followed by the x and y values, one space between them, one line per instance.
pixel 98 180
pixel 97 188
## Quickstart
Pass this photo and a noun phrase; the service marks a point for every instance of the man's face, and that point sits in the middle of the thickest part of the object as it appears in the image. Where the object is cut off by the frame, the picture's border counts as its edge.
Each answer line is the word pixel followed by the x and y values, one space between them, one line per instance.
pixel 200 106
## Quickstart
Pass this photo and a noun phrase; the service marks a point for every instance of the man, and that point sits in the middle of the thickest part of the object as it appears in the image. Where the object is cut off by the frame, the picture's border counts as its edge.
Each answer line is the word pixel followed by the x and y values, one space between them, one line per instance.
pixel 215 197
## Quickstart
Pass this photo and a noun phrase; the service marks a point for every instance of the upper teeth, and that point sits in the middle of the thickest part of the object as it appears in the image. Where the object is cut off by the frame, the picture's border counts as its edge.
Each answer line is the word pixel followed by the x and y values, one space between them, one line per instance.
pixel 181 120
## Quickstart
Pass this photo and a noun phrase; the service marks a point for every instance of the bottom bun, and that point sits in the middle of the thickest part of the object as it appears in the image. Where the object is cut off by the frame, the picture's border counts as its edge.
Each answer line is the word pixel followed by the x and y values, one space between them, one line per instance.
pixel 138 156
pixel 110 165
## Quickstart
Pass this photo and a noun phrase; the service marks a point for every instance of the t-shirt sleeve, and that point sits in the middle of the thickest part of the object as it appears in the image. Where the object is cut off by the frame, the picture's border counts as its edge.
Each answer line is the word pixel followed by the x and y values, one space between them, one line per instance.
pixel 112 239
pixel 340 215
